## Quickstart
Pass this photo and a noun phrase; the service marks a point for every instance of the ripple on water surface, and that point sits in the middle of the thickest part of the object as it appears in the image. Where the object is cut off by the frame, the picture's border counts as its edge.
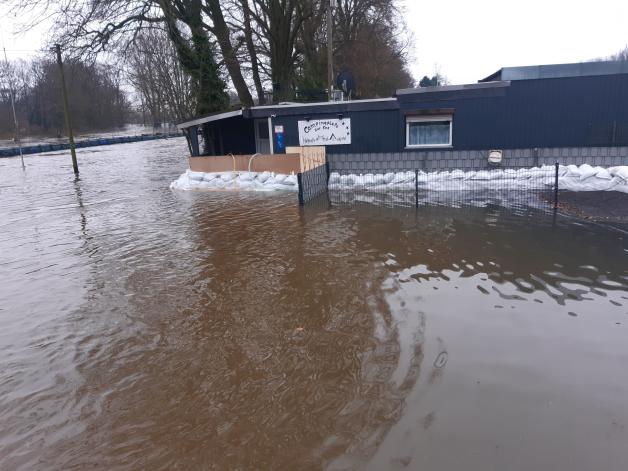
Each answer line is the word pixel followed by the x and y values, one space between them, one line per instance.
pixel 148 329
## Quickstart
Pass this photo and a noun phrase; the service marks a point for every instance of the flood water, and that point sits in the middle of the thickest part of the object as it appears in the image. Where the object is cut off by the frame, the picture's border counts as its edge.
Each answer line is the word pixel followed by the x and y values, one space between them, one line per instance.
pixel 142 328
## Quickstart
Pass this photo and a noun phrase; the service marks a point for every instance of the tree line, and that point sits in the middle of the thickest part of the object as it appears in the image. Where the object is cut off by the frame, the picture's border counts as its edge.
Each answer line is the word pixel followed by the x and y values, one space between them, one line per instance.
pixel 261 49
pixel 98 100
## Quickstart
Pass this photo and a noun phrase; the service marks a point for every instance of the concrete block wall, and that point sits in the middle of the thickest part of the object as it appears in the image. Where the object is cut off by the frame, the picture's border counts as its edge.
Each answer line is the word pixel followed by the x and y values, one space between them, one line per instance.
pixel 434 160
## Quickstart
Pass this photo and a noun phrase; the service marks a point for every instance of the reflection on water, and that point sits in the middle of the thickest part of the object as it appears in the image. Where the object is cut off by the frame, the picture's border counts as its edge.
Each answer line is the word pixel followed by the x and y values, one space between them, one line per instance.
pixel 147 329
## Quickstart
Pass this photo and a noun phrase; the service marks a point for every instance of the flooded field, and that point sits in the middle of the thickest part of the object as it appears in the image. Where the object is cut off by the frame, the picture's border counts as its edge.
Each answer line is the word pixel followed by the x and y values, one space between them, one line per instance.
pixel 142 328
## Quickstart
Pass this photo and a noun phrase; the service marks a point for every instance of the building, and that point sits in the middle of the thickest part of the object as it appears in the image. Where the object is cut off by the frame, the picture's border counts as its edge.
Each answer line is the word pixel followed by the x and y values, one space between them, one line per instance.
pixel 573 106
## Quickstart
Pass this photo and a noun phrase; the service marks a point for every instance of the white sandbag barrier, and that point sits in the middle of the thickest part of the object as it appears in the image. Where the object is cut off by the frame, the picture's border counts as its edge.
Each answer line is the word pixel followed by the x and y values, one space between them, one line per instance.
pixel 570 177
pixel 509 187
pixel 250 181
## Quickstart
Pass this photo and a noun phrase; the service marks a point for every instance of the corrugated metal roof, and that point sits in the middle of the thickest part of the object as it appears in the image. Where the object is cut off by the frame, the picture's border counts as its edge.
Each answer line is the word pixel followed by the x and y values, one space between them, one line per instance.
pixel 577 69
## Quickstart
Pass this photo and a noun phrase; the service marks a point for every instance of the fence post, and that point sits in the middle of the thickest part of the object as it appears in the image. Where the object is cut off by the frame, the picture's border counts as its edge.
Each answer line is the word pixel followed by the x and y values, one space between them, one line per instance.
pixel 556 185
pixel 416 188
pixel 327 170
pixel 300 182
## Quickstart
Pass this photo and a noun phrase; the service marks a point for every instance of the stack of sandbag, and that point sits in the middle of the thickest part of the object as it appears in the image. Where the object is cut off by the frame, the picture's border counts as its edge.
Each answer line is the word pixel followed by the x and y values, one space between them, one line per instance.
pixel 262 181
pixel 571 177
pixel 588 178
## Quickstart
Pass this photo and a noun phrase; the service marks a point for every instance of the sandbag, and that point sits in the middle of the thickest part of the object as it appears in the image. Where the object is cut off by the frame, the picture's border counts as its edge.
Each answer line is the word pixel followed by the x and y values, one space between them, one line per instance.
pixel 195 176
pixel 227 176
pixel 603 174
pixel 245 183
pixel 247 176
pixel 348 180
pixel 368 179
pixel 262 177
pixel 586 171
pixel 210 176
pixel 402 177
pixel 280 177
pixel 620 172
pixel 334 178
pixel 388 177
pixel 290 180
pixel 481 175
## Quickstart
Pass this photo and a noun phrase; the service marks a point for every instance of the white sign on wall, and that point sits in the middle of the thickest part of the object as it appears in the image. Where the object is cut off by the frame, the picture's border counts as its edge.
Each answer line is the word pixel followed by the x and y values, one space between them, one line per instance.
pixel 325 132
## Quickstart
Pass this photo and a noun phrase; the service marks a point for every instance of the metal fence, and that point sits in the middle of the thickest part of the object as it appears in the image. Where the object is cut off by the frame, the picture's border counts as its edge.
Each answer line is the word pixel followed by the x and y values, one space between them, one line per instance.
pixel 313 182
pixel 511 186
pixel 537 186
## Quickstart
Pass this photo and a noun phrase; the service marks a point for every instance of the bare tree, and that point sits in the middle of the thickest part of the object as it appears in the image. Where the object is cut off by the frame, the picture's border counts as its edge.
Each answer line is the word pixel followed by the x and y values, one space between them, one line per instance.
pixel 153 68
pixel 223 35
pixel 620 55
pixel 98 100
pixel 247 30
pixel 279 44
pixel 373 43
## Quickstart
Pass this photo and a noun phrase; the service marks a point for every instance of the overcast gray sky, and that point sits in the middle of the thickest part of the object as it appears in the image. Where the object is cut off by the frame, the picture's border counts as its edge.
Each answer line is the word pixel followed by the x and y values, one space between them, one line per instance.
pixel 471 39
pixel 468 40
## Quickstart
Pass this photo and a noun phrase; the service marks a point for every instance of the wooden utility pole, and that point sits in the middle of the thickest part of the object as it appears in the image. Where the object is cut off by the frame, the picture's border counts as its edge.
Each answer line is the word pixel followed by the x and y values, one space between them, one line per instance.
pixel 330 51
pixel 12 93
pixel 66 110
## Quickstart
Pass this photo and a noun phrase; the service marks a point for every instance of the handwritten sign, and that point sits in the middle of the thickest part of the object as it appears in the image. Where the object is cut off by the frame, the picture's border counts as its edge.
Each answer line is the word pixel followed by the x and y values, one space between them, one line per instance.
pixel 325 132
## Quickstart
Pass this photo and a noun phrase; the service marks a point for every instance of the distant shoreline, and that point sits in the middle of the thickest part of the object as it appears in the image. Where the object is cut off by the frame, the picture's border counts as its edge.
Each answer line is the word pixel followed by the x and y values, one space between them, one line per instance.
pixel 7 138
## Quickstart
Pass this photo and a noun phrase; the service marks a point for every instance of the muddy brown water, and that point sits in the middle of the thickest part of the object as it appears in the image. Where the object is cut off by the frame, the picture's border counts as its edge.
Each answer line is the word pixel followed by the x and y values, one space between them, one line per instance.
pixel 142 328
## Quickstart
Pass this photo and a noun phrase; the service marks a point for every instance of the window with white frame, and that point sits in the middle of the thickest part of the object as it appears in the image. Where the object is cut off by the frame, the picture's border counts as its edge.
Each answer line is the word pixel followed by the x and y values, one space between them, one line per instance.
pixel 429 131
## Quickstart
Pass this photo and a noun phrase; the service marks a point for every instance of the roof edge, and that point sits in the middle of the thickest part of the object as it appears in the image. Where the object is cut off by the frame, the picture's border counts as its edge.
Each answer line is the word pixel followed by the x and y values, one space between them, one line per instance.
pixel 317 103
pixel 495 76
pixel 209 118
pixel 453 88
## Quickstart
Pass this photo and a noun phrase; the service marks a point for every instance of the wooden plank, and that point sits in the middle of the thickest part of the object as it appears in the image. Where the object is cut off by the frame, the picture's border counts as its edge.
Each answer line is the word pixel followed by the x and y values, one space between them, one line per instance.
pixel 310 156
pixel 279 163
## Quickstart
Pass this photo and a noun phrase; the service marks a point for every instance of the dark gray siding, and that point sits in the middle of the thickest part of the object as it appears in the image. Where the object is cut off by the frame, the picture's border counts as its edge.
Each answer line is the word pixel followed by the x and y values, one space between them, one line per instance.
pixel 563 112
pixel 371 131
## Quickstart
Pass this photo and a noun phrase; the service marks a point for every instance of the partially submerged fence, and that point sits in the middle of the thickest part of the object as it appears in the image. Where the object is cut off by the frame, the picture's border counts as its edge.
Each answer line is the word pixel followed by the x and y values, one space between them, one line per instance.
pixel 313 183
pixel 523 186
pixel 530 177
pixel 314 175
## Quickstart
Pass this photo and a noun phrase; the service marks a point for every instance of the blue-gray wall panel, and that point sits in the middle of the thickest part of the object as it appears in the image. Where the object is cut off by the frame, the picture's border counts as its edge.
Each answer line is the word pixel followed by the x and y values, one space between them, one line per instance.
pixel 563 112
pixel 579 111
